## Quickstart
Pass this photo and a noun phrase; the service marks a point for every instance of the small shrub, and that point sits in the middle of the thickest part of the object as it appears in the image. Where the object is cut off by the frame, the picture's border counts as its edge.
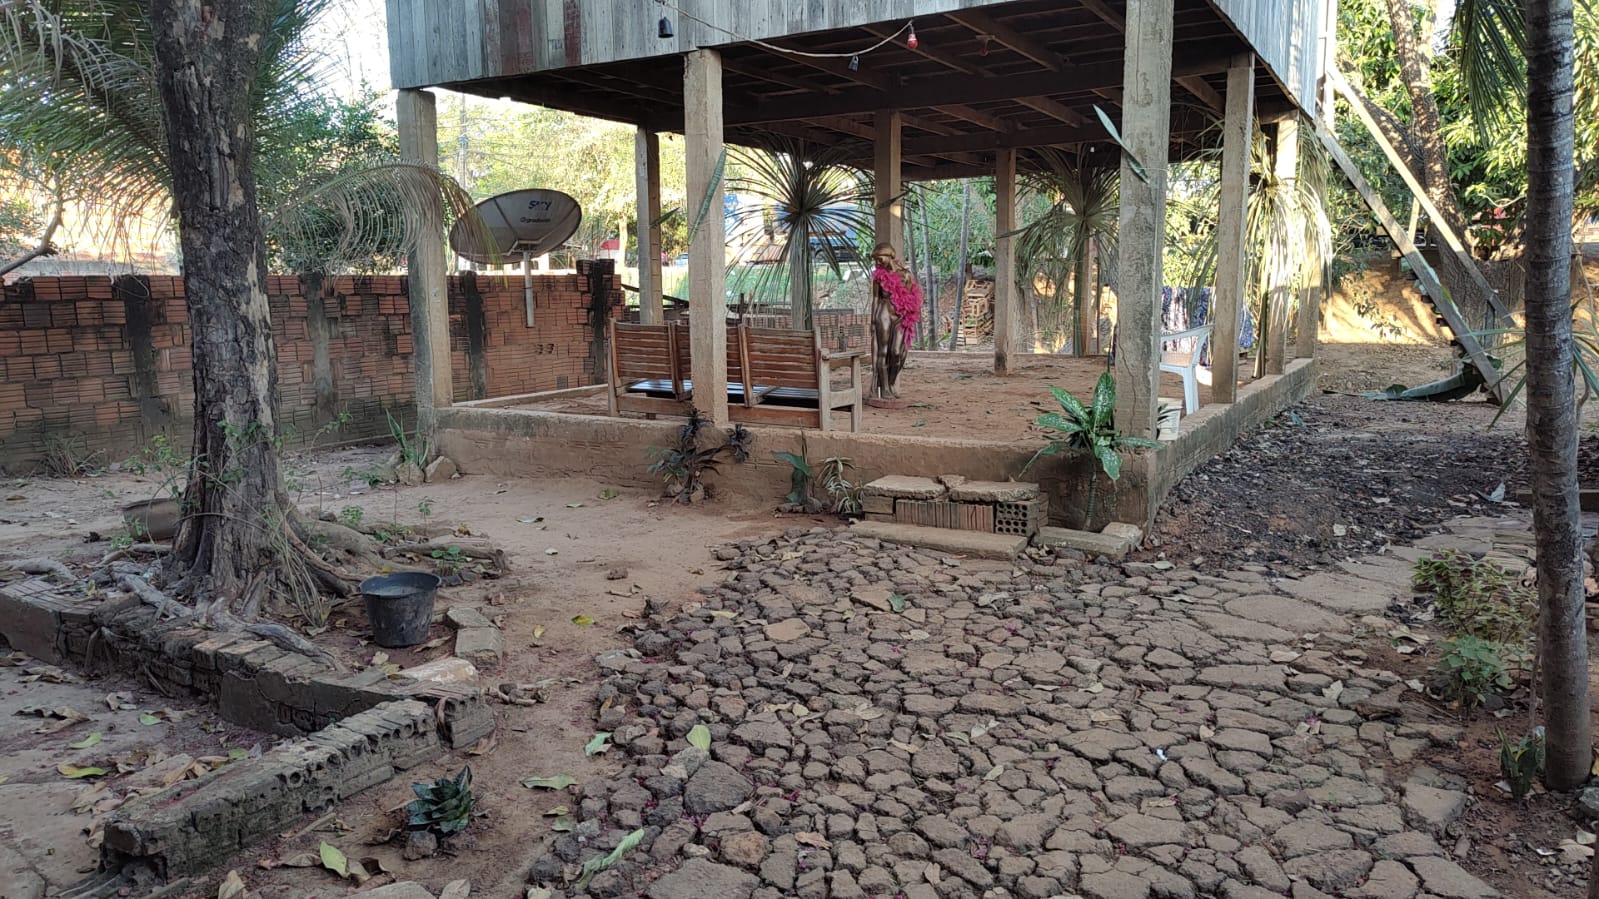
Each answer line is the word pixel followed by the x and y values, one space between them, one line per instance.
pixel 1477 598
pixel 1471 670
pixel 443 806
pixel 413 446
pixel 450 558
pixel 844 494
pixel 1520 761
pixel 683 467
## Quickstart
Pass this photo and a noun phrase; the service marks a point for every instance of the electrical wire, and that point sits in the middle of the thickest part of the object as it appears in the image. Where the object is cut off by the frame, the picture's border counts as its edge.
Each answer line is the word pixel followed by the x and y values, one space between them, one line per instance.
pixel 775 48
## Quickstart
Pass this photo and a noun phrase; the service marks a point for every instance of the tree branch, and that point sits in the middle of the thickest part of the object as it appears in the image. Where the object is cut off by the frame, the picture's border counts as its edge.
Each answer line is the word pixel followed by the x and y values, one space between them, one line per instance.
pixel 46 245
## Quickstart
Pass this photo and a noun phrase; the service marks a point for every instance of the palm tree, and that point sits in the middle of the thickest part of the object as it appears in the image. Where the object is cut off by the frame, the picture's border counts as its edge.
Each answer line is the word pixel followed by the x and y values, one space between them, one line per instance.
pixel 1551 408
pixel 1079 225
pixel 811 207
pixel 170 103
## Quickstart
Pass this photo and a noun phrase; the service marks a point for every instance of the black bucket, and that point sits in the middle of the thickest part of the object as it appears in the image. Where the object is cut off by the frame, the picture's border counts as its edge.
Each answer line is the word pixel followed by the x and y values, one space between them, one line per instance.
pixel 400 607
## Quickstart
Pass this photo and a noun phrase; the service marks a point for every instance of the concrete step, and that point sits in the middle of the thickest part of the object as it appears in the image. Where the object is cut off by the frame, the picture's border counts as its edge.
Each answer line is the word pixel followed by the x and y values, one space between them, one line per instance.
pixel 966 543
pixel 1115 542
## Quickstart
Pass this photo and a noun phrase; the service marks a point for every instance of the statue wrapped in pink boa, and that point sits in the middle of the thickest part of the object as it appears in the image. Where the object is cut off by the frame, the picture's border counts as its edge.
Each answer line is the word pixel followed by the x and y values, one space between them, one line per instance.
pixel 896 307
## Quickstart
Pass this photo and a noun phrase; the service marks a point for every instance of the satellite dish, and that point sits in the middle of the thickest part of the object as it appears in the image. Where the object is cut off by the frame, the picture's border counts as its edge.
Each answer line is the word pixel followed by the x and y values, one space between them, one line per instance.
pixel 520 223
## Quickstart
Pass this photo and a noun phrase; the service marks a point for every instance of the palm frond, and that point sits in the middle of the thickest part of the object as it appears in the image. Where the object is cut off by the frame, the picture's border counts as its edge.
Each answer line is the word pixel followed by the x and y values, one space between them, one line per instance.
pixel 374 211
pixel 1083 211
pixel 810 206
pixel 1489 39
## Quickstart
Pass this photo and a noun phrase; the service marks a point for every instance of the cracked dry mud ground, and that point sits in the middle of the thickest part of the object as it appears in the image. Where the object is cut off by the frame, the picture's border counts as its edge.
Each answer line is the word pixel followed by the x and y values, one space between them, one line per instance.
pixel 887 722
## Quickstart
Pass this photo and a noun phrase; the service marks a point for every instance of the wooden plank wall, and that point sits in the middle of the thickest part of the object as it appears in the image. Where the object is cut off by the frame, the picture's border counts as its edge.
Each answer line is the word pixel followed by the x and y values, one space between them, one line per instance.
pixel 1287 36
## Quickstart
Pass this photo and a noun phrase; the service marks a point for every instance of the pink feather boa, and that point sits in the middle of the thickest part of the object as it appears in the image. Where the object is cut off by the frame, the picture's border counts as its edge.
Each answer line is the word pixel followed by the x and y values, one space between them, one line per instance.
pixel 904 296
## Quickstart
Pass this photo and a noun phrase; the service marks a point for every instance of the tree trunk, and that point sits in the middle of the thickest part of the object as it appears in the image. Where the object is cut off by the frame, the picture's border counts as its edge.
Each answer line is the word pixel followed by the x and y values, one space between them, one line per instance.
pixel 932 282
pixel 1551 409
pixel 233 531
pixel 1427 140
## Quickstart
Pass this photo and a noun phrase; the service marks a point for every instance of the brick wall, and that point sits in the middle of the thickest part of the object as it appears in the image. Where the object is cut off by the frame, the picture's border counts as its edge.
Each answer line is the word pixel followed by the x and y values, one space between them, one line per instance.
pixel 101 366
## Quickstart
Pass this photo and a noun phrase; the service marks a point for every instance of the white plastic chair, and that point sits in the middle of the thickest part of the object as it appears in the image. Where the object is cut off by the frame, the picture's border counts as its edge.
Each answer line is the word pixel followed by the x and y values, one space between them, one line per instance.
pixel 1185 364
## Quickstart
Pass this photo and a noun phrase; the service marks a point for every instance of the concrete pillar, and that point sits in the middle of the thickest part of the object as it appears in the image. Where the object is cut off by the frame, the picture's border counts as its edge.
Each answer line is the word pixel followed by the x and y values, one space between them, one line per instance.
pixel 890 221
pixel 1231 222
pixel 647 177
pixel 1007 309
pixel 1285 167
pixel 1146 129
pixel 417 121
pixel 707 250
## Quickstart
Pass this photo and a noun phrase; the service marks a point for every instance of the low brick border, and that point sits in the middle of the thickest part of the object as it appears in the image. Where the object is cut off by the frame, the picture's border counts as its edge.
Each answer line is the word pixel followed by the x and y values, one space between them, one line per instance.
pixel 360 729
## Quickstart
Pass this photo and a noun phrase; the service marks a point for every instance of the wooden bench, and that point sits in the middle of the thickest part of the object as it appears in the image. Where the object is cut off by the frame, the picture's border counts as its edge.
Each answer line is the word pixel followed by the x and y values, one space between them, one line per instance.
pixel 774 376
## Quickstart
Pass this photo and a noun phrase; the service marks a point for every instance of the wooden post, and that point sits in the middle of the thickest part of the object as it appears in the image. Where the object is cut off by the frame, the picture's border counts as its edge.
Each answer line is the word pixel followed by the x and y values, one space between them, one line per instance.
pixel 707 251
pixel 1146 129
pixel 1006 310
pixel 1285 166
pixel 647 178
pixel 1310 300
pixel 417 121
pixel 890 220
pixel 1232 217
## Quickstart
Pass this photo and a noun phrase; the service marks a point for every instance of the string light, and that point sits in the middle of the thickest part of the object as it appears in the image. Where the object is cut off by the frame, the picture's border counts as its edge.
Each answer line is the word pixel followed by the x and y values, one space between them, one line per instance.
pixel 852 55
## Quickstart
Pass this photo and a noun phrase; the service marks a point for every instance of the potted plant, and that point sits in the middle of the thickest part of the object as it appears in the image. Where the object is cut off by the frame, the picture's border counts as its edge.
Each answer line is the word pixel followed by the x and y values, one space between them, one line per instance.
pixel 1089 432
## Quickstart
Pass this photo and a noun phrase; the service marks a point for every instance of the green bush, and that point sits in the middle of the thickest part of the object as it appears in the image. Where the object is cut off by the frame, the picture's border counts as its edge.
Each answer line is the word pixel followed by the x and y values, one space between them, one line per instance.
pixel 1471 670
pixel 1477 598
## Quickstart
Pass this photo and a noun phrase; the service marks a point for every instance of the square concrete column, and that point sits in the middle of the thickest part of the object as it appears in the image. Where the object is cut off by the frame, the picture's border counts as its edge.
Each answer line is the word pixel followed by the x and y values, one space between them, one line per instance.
pixel 890 204
pixel 1146 129
pixel 417 119
pixel 1231 224
pixel 1280 288
pixel 647 178
pixel 1007 309
pixel 707 249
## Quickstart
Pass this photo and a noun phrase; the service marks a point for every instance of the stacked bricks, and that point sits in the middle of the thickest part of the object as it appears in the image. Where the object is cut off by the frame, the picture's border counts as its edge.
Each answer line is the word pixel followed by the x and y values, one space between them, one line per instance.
pixel 951 501
pixel 98 367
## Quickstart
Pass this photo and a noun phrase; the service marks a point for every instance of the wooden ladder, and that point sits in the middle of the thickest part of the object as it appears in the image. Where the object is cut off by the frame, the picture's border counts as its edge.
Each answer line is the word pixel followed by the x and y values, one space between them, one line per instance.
pixel 1465 340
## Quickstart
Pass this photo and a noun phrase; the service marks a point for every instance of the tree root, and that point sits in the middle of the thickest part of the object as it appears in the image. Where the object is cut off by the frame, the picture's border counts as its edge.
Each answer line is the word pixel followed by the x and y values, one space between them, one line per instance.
pixel 44 566
pixel 137 549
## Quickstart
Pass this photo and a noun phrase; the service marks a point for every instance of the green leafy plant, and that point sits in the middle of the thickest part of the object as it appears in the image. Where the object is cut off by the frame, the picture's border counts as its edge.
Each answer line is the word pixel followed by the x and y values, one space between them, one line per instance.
pixel 1471 670
pixel 844 494
pixel 443 806
pixel 799 477
pixel 1476 597
pixel 350 517
pixel 1089 429
pixel 425 507
pixel 1521 760
pixel 450 558
pixel 413 446
pixel 683 466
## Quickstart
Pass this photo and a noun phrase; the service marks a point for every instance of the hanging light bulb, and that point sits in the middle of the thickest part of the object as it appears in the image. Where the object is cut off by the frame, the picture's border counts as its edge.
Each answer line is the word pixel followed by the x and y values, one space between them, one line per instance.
pixel 663 28
pixel 911 41
pixel 982 40
pixel 854 62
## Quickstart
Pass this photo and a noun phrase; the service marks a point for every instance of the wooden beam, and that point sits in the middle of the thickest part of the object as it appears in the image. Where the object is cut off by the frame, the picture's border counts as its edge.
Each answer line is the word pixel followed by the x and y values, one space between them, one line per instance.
pixel 1488 294
pixel 1203 91
pixel 1107 15
pixel 1229 298
pixel 983 23
pixel 1145 127
pixel 707 252
pixel 1007 313
pixel 890 204
pixel 416 119
pixel 1431 288
pixel 765 73
pixel 947 90
pixel 647 184
pixel 1060 112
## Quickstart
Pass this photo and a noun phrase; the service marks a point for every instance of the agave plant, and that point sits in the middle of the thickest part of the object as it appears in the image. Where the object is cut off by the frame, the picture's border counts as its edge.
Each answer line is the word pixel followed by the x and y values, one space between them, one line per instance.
pixel 443 806
pixel 80 90
pixel 811 208
pixel 1089 429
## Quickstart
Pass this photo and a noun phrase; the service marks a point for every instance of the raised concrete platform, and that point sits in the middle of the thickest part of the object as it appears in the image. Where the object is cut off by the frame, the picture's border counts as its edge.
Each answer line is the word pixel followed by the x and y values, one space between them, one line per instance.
pixel 1114 543
pixel 966 543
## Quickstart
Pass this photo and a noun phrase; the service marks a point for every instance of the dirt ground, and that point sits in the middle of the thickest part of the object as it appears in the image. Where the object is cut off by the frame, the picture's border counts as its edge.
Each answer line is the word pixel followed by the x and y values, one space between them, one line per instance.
pixel 958 396
pixel 1340 476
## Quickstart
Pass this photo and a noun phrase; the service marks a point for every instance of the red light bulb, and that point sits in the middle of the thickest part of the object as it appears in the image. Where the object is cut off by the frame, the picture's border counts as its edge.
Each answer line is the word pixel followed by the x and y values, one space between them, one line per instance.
pixel 911 41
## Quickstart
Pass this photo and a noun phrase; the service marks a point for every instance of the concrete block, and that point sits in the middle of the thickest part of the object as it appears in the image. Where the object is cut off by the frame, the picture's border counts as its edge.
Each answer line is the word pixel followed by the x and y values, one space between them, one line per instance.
pixel 481 646
pixel 27 622
pixel 467 616
pixel 1121 530
pixel 1114 547
pixel 993 492
pixel 967 543
pixel 877 505
pixel 901 487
